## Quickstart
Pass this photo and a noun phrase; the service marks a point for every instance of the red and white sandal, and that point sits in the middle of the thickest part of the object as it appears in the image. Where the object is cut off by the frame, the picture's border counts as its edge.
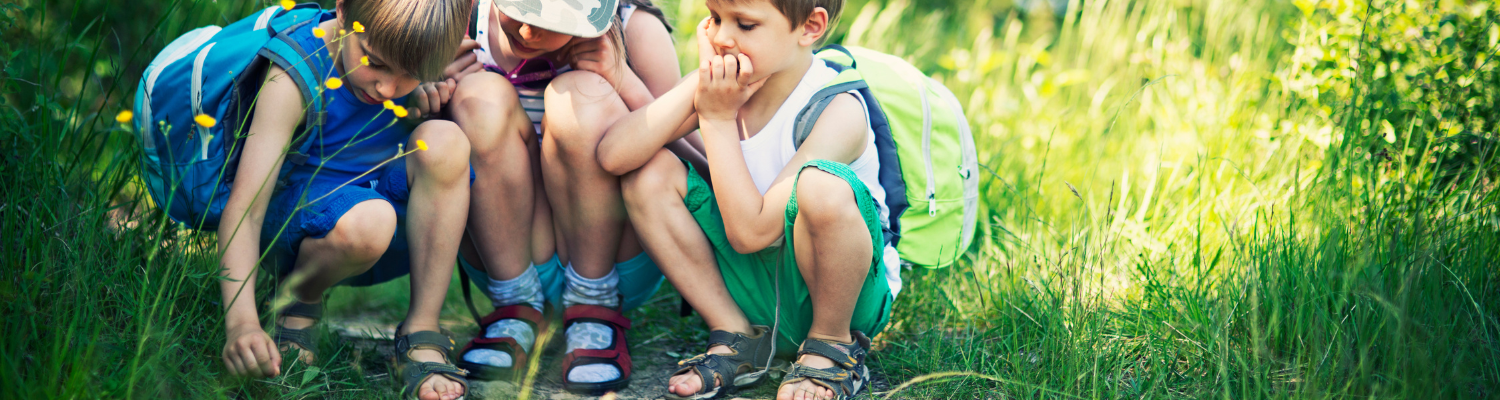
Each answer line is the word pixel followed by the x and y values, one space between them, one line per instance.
pixel 617 354
pixel 506 345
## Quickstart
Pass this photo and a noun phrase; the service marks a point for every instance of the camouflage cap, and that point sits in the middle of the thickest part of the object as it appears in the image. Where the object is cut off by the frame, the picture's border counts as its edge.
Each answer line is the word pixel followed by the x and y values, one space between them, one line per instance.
pixel 583 18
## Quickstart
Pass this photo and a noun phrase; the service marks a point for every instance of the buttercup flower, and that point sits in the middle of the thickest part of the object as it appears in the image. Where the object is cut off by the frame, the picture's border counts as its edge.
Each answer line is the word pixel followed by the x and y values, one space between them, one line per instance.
pixel 364 60
pixel 400 112
pixel 334 83
pixel 288 4
pixel 319 32
pixel 124 116
pixel 390 105
pixel 421 145
pixel 358 27
pixel 205 121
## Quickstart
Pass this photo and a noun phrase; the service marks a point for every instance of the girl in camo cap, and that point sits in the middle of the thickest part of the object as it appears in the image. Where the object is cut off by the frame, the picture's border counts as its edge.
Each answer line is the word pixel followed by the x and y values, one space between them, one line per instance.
pixel 547 222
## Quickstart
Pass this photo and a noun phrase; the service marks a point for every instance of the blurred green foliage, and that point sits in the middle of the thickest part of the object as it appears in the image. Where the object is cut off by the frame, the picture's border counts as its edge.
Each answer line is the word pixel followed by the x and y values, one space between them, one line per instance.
pixel 1384 67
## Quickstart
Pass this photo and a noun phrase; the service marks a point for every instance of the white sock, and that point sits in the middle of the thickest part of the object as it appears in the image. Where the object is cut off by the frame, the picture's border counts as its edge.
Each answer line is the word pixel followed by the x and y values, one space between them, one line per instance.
pixel 603 292
pixel 524 289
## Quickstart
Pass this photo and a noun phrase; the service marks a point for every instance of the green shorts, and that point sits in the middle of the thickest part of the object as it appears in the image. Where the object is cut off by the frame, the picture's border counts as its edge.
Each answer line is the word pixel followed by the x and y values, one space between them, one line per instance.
pixel 751 278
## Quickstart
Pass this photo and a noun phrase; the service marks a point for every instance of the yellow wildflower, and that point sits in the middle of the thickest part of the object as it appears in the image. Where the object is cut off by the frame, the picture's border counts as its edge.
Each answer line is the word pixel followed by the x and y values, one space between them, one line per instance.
pixel 343 32
pixel 205 121
pixel 334 83
pixel 124 116
pixel 358 27
pixel 390 105
pixel 400 112
pixel 364 60
pixel 319 32
pixel 288 4
pixel 421 145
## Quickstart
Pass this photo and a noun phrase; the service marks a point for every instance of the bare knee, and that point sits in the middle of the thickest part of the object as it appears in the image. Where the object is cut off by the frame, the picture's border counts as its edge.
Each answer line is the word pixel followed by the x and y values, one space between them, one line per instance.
pixel 581 105
pixel 489 108
pixel 662 176
pixel 440 149
pixel 826 200
pixel 363 233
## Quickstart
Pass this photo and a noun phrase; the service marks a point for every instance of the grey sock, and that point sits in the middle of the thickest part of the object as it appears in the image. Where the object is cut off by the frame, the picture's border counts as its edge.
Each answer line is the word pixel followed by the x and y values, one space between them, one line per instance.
pixel 603 292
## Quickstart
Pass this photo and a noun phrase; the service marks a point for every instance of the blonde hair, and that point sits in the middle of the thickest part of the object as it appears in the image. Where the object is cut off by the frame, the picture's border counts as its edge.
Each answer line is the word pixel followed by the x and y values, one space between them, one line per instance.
pixel 418 37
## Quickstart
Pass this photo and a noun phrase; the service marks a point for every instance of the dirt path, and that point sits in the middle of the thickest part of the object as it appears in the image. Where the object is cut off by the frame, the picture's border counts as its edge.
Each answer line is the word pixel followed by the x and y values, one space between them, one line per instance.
pixel 654 351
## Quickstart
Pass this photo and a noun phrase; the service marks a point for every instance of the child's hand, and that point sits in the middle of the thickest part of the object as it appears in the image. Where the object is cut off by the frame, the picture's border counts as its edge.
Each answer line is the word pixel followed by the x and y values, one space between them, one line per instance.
pixel 599 55
pixel 249 351
pixel 724 85
pixel 465 63
pixel 431 96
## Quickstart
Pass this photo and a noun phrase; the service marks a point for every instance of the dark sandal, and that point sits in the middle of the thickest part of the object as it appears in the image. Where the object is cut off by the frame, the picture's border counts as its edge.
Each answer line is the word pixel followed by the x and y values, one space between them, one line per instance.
pixel 844 379
pixel 618 353
pixel 413 373
pixel 304 337
pixel 745 367
pixel 506 345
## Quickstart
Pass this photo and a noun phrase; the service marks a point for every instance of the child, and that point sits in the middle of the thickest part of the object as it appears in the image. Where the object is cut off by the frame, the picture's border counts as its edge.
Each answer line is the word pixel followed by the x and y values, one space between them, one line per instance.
pixel 571 64
pixel 786 248
pixel 351 214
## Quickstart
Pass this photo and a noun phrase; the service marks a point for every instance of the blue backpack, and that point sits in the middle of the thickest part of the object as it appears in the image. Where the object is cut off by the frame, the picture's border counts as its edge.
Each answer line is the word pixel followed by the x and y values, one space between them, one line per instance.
pixel 218 72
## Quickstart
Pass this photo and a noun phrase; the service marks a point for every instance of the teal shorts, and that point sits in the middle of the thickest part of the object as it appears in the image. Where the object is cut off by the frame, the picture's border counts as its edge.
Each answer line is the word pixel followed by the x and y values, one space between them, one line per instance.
pixel 639 279
pixel 752 279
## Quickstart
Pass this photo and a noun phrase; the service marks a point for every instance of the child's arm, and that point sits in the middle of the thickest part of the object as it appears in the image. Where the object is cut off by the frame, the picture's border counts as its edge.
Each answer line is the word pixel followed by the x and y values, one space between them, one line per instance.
pixel 751 221
pixel 248 349
pixel 636 137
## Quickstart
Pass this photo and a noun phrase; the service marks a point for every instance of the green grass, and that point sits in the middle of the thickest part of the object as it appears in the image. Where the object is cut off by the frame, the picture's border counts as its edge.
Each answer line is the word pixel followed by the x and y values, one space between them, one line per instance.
pixel 1170 215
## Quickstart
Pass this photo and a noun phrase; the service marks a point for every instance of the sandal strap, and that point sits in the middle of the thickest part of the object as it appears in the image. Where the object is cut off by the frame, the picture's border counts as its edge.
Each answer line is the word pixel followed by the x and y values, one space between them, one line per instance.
pixel 301 337
pixel 522 312
pixel 748 351
pixel 304 310
pixel 414 373
pixel 846 355
pixel 583 312
pixel 618 354
pixel 835 379
pixel 425 340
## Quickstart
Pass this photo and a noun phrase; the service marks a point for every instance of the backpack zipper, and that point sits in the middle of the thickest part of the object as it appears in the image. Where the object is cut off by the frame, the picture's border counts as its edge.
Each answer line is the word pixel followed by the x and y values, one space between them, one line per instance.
pixel 927 150
pixel 203 135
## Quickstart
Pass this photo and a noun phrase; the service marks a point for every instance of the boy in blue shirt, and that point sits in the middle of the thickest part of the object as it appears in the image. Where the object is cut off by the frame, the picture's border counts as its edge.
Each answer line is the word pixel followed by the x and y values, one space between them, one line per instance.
pixel 374 201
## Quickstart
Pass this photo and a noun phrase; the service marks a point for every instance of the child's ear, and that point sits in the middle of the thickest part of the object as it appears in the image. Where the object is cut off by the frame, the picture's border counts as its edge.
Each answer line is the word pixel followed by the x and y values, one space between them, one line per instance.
pixel 338 12
pixel 814 28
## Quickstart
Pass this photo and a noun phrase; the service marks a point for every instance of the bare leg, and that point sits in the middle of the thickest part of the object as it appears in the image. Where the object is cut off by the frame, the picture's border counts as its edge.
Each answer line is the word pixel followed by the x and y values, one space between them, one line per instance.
pixel 504 157
pixel 354 245
pixel 591 219
pixel 653 196
pixel 439 204
pixel 833 253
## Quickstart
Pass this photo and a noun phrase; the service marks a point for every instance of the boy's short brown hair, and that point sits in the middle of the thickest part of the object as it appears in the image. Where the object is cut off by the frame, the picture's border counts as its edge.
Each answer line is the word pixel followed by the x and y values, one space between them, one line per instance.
pixel 418 37
pixel 797 11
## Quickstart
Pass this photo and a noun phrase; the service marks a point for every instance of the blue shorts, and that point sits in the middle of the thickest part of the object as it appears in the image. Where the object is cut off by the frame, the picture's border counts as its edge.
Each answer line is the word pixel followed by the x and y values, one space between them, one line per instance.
pixel 317 219
pixel 639 279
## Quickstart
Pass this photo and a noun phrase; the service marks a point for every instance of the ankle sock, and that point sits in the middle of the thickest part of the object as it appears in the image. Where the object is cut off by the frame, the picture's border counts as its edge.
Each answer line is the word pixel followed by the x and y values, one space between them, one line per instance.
pixel 523 289
pixel 603 291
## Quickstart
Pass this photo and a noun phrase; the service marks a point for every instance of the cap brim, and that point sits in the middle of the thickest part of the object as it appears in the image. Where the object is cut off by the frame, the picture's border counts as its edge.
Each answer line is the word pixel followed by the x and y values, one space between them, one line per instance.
pixel 582 18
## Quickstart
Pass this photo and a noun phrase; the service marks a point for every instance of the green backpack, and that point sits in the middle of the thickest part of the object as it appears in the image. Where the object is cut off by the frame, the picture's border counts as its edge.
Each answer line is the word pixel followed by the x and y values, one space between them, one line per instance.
pixel 927 158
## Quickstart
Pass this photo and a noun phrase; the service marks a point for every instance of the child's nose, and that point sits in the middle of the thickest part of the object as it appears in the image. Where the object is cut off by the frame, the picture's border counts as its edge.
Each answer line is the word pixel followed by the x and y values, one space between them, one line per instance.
pixel 722 40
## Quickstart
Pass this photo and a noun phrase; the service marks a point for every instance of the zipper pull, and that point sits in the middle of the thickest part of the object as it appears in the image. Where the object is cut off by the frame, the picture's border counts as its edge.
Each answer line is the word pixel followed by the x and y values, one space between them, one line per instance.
pixel 931 204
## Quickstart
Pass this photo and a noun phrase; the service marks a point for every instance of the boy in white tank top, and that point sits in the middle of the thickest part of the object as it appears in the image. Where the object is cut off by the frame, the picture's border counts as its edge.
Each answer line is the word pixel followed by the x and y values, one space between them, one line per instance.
pixel 784 253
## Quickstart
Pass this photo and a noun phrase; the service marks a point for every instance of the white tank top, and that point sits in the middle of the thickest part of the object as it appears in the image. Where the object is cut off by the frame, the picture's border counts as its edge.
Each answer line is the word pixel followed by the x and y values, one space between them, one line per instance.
pixel 770 150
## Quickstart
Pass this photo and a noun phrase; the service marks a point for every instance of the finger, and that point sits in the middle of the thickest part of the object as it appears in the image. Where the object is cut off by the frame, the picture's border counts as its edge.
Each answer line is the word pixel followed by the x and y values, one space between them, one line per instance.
pixel 270 347
pixel 449 86
pixel 705 48
pixel 731 67
pixel 463 62
pixel 230 362
pixel 746 70
pixel 715 69
pixel 432 100
pixel 467 46
pixel 755 86
pixel 262 359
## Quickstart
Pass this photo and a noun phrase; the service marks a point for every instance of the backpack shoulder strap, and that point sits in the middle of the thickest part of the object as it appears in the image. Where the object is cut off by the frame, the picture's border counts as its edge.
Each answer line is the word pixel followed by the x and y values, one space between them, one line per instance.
pixel 304 69
pixel 847 80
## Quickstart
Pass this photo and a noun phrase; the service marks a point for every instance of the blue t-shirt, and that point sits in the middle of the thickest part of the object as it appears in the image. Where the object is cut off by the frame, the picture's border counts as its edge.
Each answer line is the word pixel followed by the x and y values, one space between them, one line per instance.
pixel 356 137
